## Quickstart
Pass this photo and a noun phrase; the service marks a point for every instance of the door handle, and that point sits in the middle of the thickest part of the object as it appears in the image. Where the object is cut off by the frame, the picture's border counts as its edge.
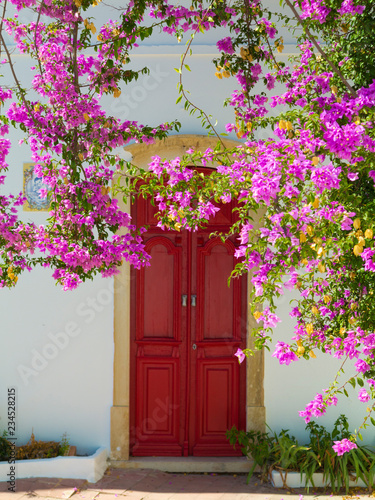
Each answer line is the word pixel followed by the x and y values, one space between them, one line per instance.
pixel 193 300
pixel 184 300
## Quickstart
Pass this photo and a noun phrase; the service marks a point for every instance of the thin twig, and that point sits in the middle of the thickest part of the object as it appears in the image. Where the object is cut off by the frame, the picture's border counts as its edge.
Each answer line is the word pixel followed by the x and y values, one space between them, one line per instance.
pixel 16 79
pixel 35 44
pixel 182 87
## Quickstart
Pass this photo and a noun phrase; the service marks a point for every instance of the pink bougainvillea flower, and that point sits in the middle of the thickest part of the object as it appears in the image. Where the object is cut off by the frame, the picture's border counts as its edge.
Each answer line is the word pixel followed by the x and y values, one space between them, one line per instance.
pixel 240 355
pixel 343 446
pixel 363 396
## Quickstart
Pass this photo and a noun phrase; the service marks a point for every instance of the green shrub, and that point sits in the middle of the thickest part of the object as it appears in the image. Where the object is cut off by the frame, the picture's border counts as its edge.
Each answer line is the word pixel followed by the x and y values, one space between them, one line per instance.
pixel 282 452
pixel 34 449
pixel 5 447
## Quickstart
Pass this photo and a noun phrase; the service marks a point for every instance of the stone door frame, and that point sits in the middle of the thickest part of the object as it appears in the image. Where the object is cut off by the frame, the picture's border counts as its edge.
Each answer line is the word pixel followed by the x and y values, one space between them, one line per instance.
pixel 120 411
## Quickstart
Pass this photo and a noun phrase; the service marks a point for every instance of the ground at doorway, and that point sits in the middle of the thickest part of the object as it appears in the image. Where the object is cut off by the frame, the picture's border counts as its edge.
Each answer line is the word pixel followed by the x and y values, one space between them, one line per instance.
pixel 147 484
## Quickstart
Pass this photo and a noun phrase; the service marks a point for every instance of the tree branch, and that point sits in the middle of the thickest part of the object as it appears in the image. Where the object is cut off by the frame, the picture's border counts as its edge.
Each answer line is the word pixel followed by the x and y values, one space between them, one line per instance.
pixel 320 50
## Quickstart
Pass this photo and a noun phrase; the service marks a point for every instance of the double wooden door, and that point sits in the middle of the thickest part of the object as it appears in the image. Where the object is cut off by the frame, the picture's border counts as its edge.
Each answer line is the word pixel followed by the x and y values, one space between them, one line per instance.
pixel 187 387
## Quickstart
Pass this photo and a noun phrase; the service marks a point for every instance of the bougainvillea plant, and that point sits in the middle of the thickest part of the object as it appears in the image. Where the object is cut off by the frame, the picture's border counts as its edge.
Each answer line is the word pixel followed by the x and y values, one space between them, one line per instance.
pixel 306 191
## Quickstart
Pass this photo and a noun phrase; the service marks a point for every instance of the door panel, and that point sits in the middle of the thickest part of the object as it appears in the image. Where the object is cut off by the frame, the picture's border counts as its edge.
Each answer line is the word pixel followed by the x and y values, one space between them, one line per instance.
pixel 216 301
pixel 187 388
pixel 158 410
pixel 159 289
pixel 217 405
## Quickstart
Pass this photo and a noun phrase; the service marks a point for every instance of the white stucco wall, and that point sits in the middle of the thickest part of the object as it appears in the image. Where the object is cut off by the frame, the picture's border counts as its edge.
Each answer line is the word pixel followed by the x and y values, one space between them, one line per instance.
pixel 288 389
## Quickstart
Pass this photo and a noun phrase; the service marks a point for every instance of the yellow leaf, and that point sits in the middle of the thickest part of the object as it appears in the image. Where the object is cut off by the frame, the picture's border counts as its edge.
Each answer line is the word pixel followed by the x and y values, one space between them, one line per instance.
pixel 300 350
pixel 321 267
pixel 315 160
pixel 315 310
pixel 309 230
pixel 357 223
pixel 302 237
pixel 316 203
pixel 86 117
pixel 257 314
pixel 289 125
pixel 361 241
pixel 92 29
pixel 312 354
pixel 369 234
pixel 244 53
pixel 327 299
pixel 116 93
pixel 357 250
pixel 309 328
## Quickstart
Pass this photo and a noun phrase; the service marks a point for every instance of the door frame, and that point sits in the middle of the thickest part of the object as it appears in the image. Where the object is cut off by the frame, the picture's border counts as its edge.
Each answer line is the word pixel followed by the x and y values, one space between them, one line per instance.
pixel 120 411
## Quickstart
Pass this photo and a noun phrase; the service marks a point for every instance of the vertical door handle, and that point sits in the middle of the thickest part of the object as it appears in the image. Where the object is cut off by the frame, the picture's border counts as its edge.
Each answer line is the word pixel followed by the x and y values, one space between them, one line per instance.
pixel 193 300
pixel 184 300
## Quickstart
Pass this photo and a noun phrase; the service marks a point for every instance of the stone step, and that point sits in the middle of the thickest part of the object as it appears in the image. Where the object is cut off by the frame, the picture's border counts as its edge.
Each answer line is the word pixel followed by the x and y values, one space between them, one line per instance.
pixel 187 464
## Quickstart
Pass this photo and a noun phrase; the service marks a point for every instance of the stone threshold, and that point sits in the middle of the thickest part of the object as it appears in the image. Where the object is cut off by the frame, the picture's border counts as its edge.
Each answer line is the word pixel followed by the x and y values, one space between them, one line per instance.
pixel 239 465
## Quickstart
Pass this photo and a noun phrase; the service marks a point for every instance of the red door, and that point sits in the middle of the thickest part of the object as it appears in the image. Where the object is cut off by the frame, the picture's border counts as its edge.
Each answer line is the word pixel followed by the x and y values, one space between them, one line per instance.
pixel 187 388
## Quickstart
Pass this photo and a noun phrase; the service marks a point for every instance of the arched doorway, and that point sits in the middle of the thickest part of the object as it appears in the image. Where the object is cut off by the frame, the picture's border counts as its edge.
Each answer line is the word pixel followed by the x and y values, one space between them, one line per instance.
pixel 192 429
